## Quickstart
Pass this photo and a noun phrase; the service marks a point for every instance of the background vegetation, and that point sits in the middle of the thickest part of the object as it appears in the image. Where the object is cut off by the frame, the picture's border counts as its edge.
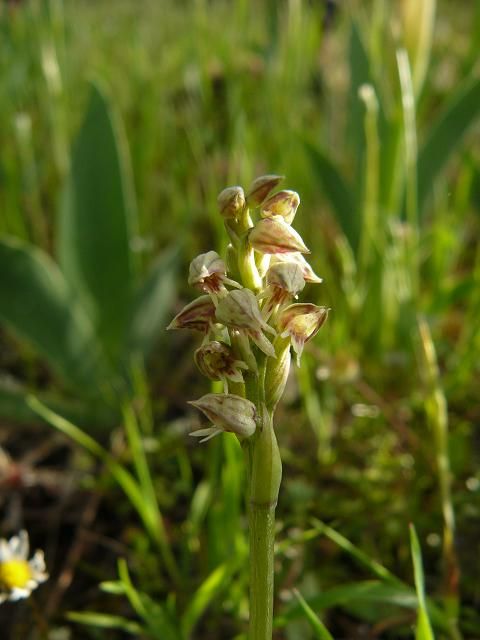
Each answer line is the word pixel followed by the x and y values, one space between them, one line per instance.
pixel 120 123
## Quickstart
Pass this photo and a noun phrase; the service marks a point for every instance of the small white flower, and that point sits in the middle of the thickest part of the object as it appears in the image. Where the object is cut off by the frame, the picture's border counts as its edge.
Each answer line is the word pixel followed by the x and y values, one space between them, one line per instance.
pixel 18 575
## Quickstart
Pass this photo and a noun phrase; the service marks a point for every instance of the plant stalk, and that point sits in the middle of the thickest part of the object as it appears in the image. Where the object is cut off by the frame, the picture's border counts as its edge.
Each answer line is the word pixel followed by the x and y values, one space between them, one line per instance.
pixel 265 473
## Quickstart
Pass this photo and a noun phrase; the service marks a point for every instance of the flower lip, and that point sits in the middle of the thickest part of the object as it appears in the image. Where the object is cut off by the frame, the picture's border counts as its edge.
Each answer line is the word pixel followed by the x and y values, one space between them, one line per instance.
pixel 273 235
pixel 18 575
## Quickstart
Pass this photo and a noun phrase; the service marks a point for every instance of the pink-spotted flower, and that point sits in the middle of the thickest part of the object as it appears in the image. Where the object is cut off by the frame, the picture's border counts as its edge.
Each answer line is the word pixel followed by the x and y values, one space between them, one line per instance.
pixel 239 310
pixel 273 235
pixel 217 361
pixel 301 322
pixel 198 315
pixel 284 281
pixel 209 274
pixel 227 412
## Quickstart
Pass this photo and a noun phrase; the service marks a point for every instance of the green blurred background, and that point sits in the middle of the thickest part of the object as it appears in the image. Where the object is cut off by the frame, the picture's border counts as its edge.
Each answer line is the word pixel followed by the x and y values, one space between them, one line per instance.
pixel 120 122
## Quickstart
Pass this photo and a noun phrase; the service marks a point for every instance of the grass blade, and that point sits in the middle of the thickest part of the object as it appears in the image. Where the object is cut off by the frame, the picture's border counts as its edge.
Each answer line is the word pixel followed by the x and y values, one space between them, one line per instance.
pixel 320 630
pixel 424 629
pixel 207 591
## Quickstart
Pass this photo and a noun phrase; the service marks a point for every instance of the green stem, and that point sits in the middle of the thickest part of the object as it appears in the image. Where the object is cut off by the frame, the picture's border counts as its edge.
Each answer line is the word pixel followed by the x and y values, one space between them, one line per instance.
pixel 262 534
pixel 265 472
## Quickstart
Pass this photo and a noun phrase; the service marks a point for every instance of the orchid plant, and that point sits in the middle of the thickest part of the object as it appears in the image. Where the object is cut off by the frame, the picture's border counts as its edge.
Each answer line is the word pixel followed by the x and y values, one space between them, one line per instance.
pixel 249 324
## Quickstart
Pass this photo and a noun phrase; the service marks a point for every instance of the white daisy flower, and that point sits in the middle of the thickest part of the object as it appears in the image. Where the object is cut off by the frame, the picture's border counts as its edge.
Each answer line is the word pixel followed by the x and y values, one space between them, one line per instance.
pixel 18 575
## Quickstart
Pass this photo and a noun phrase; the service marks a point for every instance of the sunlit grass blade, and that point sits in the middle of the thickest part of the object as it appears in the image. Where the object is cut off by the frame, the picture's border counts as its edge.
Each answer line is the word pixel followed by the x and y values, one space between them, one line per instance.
pixel 205 594
pixel 319 629
pixel 424 629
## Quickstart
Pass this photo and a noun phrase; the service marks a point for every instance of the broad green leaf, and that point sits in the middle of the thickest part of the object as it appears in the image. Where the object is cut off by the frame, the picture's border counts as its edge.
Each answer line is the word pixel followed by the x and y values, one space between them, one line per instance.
pixel 96 223
pixel 339 194
pixel 423 629
pixel 446 136
pixel 153 302
pixel 37 305
pixel 320 630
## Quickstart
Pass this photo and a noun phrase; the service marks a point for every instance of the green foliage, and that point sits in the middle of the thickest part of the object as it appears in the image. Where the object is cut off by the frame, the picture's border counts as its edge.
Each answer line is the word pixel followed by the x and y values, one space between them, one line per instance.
pixel 38 304
pixel 98 219
pixel 206 94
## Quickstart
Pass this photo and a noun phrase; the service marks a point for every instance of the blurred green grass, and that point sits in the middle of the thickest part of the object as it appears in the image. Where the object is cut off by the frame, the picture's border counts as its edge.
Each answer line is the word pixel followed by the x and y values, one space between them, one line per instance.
pixel 212 94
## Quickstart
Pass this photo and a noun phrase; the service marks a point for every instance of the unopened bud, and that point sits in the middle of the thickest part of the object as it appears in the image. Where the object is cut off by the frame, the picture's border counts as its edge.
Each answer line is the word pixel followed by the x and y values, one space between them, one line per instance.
pixel 261 187
pixel 309 274
pixel 231 202
pixel 274 235
pixel 227 412
pixel 284 203
pixel 301 322
pixel 198 315
pixel 239 310
pixel 217 361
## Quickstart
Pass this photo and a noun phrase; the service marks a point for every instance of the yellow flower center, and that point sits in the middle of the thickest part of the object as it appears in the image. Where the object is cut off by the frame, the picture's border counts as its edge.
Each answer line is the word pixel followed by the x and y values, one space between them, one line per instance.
pixel 15 574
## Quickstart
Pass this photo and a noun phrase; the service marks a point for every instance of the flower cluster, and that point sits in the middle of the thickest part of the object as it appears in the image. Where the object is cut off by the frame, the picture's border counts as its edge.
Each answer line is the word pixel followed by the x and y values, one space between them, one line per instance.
pixel 18 575
pixel 246 312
